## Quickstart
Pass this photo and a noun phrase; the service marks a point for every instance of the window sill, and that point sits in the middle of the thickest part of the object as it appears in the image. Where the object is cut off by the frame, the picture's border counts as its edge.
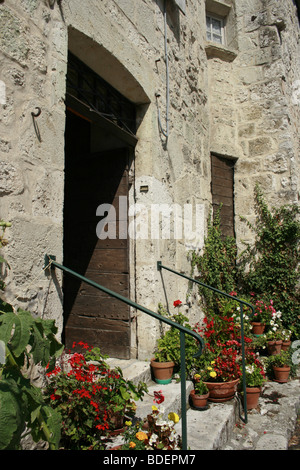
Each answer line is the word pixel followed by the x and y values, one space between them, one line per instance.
pixel 214 50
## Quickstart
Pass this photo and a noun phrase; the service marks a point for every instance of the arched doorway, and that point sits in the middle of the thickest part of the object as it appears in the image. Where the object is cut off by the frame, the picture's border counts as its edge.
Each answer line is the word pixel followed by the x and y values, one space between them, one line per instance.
pixel 99 142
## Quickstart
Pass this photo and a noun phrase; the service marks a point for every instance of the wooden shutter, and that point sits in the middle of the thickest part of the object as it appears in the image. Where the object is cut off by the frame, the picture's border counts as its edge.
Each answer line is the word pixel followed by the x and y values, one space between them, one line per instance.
pixel 222 188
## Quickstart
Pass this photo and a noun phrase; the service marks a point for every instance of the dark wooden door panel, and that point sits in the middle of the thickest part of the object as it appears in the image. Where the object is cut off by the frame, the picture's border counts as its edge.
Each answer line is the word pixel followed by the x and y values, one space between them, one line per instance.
pixel 91 180
pixel 115 337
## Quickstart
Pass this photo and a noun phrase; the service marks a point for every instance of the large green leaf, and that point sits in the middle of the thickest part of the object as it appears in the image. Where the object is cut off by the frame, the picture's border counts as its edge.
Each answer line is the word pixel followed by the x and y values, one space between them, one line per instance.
pixel 7 322
pixel 15 330
pixel 22 332
pixel 11 417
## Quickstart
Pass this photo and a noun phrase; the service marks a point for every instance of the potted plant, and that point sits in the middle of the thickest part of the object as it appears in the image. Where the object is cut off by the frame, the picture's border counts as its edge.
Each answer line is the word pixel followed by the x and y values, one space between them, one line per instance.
pixel 281 366
pixel 90 397
pixel 262 316
pixel 220 375
pixel 254 377
pixel 199 395
pixel 274 333
pixel 166 359
pixel 286 339
pixel 274 341
pixel 218 365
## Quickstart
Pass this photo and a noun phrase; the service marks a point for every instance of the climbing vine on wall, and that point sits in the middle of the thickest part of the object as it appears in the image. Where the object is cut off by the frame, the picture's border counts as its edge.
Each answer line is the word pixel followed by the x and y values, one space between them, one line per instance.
pixel 270 266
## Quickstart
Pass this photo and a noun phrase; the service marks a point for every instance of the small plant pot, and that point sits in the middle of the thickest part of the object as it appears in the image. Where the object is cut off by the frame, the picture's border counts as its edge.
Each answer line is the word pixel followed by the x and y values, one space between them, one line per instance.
pixel 199 401
pixel 285 345
pixel 221 391
pixel 281 373
pixel 162 371
pixel 274 347
pixel 258 328
pixel 252 397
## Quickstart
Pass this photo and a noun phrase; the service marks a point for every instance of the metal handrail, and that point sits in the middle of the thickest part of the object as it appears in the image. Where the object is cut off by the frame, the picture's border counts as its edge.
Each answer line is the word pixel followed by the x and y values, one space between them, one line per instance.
pixel 50 261
pixel 160 266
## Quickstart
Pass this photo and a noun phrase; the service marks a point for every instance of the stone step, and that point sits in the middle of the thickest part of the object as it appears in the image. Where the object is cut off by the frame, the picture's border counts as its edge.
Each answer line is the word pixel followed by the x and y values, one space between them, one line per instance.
pixel 218 427
pixel 206 430
pixel 210 429
pixel 133 369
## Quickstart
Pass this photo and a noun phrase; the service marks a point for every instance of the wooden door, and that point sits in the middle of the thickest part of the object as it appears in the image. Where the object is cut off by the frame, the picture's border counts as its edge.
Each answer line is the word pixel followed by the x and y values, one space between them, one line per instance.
pixel 222 188
pixel 91 180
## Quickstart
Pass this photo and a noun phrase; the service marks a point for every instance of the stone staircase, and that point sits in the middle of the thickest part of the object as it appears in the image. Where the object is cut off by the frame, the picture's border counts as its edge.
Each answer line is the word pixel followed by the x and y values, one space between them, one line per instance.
pixel 206 430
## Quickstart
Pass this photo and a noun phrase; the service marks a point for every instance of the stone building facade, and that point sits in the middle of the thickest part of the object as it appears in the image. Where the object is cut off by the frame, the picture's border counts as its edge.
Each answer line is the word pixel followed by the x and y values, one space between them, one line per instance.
pixel 147 106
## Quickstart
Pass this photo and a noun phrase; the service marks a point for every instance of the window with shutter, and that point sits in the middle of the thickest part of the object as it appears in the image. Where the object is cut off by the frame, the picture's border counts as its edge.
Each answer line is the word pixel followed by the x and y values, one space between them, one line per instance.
pixel 222 188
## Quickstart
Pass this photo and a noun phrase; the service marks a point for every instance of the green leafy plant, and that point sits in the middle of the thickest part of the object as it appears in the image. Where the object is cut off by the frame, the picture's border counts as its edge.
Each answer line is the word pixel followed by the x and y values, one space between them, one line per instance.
pixel 91 398
pixel 272 261
pixel 200 388
pixel 254 375
pixel 280 360
pixel 168 345
pixel 26 341
pixel 216 264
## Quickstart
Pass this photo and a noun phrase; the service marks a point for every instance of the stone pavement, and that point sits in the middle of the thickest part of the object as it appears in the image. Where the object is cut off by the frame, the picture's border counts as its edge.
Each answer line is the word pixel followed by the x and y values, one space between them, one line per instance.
pixel 269 427
pixel 272 424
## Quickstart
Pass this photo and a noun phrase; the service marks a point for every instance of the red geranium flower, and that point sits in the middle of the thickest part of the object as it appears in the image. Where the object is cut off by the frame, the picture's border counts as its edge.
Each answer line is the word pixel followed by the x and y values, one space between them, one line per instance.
pixel 158 397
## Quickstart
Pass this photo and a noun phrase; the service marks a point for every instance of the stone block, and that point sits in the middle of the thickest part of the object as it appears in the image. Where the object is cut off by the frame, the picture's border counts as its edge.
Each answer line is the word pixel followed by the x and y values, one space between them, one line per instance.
pixel 11 181
pixel 13 36
pixel 260 146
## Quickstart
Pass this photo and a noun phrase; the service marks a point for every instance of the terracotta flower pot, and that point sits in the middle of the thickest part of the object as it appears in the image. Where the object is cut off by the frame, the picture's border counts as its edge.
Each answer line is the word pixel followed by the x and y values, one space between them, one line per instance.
pixel 258 328
pixel 252 397
pixel 281 373
pixel 285 345
pixel 162 371
pixel 274 347
pixel 198 401
pixel 221 391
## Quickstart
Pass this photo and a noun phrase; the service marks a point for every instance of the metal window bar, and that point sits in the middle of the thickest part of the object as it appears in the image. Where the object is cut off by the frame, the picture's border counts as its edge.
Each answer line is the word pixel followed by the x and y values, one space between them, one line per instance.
pixel 50 261
pixel 160 266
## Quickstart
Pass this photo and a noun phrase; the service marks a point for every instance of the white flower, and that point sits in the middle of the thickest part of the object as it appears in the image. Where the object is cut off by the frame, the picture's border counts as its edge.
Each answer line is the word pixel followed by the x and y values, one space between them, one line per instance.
pixel 250 368
pixel 153 438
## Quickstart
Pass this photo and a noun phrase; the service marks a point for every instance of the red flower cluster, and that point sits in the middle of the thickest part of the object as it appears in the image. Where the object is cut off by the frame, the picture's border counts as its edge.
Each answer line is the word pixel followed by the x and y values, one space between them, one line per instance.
pixel 158 397
pixel 177 303
pixel 222 339
pixel 89 392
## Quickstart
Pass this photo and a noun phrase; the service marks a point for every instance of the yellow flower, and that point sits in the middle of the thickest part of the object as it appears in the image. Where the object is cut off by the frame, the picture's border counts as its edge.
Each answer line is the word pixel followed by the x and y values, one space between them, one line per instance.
pixel 209 368
pixel 128 423
pixel 197 376
pixel 173 417
pixel 213 374
pixel 212 362
pixel 141 436
pixel 154 408
pixel 132 445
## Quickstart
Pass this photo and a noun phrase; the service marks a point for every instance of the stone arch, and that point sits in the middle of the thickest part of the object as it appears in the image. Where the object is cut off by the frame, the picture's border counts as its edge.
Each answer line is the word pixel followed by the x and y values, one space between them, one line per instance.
pixel 107 66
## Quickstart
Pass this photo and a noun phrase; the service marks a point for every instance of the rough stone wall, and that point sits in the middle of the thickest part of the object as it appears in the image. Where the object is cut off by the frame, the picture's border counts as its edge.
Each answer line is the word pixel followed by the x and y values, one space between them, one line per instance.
pixel 268 71
pixel 33 67
pixel 242 102
pixel 254 106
